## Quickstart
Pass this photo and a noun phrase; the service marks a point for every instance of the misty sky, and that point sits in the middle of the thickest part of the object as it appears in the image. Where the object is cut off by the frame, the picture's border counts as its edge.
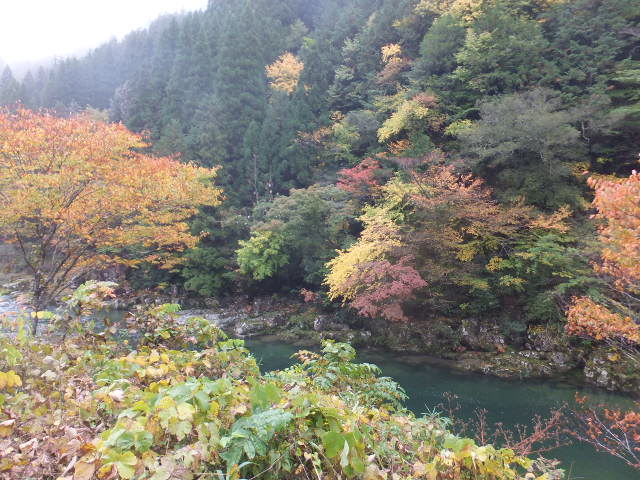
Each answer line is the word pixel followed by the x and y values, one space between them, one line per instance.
pixel 31 30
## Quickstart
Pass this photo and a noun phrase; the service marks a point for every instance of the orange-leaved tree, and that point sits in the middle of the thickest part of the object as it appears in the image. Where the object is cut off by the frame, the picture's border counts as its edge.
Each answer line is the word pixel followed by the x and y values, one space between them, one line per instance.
pixel 616 316
pixel 76 196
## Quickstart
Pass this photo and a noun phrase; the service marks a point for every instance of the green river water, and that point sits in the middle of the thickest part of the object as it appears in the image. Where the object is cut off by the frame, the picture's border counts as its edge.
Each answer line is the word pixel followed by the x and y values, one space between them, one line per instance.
pixel 510 402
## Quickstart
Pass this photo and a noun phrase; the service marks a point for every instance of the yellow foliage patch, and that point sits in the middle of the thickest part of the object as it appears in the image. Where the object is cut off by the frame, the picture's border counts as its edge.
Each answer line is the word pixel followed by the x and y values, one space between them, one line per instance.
pixel 285 72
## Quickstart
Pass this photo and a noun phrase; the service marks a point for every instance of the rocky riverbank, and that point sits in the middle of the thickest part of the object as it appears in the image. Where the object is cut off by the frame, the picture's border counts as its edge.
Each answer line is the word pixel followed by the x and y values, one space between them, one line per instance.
pixel 472 345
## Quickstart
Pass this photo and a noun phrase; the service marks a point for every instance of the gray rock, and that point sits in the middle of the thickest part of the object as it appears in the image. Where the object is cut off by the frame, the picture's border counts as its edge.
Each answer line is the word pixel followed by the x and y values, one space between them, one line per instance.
pixel 209 315
pixel 561 360
pixel 480 337
pixel 247 328
pixel 274 320
pixel 546 339
pixel 321 323
pixel 613 370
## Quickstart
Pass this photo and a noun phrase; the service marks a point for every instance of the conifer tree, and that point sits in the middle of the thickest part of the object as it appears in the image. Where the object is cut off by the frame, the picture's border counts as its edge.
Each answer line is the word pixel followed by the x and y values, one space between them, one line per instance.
pixel 9 88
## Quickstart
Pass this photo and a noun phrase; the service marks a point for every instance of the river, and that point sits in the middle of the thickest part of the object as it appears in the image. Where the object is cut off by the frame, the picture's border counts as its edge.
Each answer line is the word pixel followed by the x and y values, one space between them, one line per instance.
pixel 509 402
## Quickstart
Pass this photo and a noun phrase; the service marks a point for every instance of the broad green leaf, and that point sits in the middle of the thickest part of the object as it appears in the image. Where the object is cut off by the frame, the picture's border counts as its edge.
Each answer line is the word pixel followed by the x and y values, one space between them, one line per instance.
pixel 333 442
pixel 182 429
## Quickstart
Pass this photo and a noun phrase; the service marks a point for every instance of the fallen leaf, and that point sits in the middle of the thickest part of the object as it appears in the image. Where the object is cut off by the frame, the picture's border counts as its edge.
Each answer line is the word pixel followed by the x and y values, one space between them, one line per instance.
pixel 84 470
pixel 6 428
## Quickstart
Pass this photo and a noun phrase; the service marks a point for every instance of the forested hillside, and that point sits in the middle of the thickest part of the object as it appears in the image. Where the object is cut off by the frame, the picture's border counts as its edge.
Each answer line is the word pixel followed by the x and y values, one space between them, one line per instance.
pixel 197 83
pixel 456 178
pixel 411 159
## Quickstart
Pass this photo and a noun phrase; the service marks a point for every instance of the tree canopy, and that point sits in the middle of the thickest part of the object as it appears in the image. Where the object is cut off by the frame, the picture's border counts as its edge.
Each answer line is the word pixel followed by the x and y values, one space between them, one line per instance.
pixel 76 196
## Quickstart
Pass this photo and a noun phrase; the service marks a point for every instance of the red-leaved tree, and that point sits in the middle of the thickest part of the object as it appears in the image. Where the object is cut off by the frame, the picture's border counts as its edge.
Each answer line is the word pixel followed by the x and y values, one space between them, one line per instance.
pixel 425 230
pixel 361 180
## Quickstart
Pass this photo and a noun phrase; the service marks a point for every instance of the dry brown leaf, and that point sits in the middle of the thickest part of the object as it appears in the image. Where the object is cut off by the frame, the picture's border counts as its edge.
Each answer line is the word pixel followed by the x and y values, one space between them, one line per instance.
pixel 84 470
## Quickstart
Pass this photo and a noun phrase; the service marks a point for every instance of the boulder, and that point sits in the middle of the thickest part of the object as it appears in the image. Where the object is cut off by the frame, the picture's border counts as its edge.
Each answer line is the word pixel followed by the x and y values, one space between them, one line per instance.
pixel 248 328
pixel 481 337
pixel 321 323
pixel 614 370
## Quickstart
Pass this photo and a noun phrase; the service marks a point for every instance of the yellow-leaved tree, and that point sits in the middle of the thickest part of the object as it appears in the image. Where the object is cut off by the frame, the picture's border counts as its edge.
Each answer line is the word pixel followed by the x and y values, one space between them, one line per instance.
pixel 285 72
pixel 76 196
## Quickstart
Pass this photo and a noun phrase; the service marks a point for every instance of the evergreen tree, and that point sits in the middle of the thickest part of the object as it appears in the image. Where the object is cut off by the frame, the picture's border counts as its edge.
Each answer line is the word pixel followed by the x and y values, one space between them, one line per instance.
pixel 9 88
pixel 588 38
pixel 240 90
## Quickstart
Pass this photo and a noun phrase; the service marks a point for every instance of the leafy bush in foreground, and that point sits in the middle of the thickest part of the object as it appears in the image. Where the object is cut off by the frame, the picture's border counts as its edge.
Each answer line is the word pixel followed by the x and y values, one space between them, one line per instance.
pixel 85 407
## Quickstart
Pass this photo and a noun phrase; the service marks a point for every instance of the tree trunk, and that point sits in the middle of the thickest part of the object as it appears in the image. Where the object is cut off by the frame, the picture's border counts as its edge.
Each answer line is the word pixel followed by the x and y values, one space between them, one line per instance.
pixel 36 302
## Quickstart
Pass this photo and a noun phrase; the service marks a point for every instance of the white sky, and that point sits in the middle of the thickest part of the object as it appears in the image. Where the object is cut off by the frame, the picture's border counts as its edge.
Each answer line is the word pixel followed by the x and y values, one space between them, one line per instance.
pixel 31 30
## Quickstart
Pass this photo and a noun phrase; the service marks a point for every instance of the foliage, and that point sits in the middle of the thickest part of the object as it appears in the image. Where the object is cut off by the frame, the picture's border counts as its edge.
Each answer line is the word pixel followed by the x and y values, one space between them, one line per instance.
pixel 497 37
pixel 588 318
pixel 281 234
pixel 615 317
pixel 524 144
pixel 285 73
pixel 209 268
pixel 438 48
pixel 544 269
pixel 612 317
pixel 407 113
pixel 90 300
pixel 386 283
pixel 162 326
pixel 617 204
pixel 614 431
pixel 77 197
pixel 361 180
pixel 262 255
pixel 626 107
pixel 379 237
pixel 326 118
pixel 351 136
pixel 546 434
pixel 103 410
pixel 197 81
pixel 425 231
pixel 588 39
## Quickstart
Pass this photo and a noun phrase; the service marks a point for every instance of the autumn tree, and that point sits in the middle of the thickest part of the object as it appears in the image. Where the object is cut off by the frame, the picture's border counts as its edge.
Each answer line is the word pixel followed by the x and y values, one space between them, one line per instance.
pixel 615 317
pixel 77 196
pixel 285 72
pixel 369 276
pixel 361 180
pixel 427 229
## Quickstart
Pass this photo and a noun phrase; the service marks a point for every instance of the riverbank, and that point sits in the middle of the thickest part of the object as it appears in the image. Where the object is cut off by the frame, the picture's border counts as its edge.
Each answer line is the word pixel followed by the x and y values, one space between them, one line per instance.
pixel 471 346
pixel 511 402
